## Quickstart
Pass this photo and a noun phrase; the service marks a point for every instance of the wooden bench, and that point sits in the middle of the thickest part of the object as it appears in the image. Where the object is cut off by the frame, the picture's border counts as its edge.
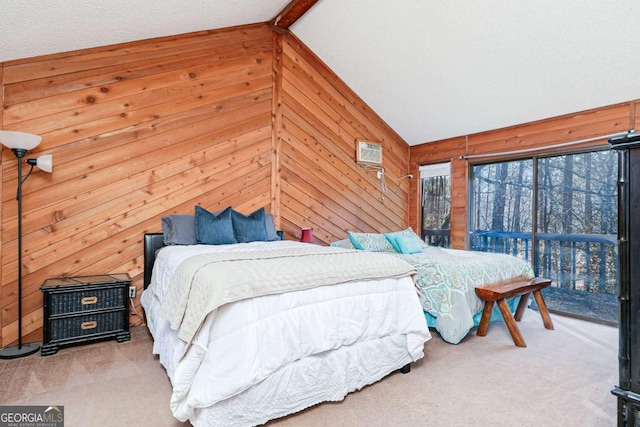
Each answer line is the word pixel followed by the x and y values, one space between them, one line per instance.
pixel 499 291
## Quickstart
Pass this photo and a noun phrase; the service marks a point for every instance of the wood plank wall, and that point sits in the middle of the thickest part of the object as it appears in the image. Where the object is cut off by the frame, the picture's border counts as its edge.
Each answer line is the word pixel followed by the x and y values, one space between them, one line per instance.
pixel 137 131
pixel 589 124
pixel 239 117
pixel 322 186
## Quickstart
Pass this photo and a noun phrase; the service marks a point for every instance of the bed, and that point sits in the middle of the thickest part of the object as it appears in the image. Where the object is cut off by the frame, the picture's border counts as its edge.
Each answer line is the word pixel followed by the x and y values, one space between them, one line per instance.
pixel 255 358
pixel 446 278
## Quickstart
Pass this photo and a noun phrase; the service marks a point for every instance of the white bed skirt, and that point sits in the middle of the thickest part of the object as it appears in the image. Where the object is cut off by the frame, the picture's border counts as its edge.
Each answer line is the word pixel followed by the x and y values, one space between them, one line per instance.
pixel 307 382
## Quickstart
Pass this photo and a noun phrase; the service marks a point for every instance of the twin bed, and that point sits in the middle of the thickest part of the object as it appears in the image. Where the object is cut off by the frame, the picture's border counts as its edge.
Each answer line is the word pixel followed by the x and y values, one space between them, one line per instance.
pixel 261 329
pixel 446 278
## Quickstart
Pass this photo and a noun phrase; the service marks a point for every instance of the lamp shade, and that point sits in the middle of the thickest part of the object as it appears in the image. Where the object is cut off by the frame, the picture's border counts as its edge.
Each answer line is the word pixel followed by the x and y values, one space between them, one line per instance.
pixel 45 162
pixel 19 140
pixel 307 235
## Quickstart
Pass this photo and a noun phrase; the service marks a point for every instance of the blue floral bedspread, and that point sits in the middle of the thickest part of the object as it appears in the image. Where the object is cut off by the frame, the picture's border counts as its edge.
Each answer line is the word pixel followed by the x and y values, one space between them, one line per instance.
pixel 446 281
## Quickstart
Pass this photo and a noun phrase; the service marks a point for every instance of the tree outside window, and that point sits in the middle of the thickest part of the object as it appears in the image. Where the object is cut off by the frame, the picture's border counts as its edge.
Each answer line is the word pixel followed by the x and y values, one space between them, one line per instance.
pixel 435 183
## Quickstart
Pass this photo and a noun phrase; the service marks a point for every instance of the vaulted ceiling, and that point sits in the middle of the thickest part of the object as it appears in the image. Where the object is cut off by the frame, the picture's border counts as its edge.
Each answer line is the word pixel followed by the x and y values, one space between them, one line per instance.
pixel 431 69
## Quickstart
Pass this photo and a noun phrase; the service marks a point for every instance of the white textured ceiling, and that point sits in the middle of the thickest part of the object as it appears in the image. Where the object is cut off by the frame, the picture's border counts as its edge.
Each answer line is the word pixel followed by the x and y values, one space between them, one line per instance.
pixel 431 69
pixel 438 69
pixel 37 27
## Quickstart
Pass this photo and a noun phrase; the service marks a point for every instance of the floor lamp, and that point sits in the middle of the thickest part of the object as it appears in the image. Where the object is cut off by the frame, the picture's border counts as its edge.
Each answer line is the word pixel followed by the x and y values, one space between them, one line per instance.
pixel 20 143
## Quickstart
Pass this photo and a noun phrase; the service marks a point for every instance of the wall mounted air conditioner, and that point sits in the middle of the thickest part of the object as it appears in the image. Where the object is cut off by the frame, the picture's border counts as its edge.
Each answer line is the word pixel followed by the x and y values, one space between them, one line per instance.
pixel 369 152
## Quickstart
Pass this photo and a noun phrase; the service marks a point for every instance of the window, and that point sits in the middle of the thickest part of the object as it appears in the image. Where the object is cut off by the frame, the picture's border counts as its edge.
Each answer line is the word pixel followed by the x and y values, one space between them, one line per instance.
pixel 560 213
pixel 435 182
pixel 577 221
pixel 502 208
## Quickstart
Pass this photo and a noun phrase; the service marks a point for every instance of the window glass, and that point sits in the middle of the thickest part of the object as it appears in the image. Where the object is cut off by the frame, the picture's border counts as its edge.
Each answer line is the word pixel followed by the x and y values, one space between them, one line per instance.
pixel 502 208
pixel 435 182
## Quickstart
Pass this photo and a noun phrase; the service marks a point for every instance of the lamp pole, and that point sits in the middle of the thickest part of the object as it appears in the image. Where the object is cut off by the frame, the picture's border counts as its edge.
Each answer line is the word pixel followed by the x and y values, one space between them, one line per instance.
pixel 19 154
pixel 20 143
pixel 20 350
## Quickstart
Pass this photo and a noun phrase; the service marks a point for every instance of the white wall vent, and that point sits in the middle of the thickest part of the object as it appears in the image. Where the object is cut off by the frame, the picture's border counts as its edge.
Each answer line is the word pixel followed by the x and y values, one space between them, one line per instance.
pixel 369 152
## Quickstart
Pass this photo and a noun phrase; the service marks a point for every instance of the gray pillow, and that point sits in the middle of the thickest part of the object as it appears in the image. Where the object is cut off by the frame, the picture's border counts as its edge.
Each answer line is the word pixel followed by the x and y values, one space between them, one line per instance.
pixel 272 234
pixel 179 230
pixel 249 228
pixel 214 229
pixel 344 243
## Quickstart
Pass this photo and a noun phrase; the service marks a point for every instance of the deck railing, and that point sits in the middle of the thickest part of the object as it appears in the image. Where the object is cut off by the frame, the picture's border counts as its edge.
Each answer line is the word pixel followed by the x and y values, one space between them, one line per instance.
pixel 587 262
pixel 437 237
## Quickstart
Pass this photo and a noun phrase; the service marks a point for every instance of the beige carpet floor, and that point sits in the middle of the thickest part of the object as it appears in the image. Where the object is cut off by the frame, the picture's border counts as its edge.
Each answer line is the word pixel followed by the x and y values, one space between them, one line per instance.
pixel 563 378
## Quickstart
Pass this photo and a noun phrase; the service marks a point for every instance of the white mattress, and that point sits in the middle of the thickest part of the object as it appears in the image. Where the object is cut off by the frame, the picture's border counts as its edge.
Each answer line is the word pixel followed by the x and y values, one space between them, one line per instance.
pixel 266 357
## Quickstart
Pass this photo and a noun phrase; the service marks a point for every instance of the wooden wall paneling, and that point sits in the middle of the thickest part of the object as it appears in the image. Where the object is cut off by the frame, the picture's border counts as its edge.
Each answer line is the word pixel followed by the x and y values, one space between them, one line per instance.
pixel 336 208
pixel 82 181
pixel 329 200
pixel 255 156
pixel 297 200
pixel 306 142
pixel 338 166
pixel 322 119
pixel 72 108
pixel 165 103
pixel 196 176
pixel 352 112
pixel 219 107
pixel 188 123
pixel 459 202
pixel 196 181
pixel 276 125
pixel 557 130
pixel 357 178
pixel 68 216
pixel 437 151
pixel 171 123
pixel 139 162
pixel 188 65
pixel 354 107
pixel 221 42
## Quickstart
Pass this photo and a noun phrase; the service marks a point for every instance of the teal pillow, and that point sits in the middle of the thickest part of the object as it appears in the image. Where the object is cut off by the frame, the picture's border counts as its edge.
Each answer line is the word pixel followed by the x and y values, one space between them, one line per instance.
pixel 212 229
pixel 372 242
pixel 406 241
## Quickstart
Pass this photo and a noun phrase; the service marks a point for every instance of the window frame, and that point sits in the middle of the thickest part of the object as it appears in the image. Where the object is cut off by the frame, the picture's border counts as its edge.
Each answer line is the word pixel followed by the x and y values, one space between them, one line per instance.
pixel 535 157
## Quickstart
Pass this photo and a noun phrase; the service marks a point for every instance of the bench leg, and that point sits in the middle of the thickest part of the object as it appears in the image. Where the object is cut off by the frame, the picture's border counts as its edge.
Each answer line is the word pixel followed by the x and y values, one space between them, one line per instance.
pixel 542 307
pixel 522 305
pixel 511 323
pixel 484 320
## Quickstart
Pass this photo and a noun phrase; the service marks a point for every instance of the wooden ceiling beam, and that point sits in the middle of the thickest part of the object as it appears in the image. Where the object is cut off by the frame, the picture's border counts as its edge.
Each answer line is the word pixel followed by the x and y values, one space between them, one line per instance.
pixel 291 13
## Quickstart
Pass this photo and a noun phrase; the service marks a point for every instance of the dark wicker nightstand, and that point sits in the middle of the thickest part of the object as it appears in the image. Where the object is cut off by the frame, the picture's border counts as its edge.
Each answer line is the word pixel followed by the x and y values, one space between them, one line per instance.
pixel 84 308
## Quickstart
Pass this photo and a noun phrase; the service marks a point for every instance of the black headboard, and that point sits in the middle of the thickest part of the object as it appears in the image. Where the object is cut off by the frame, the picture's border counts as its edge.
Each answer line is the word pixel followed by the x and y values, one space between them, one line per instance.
pixel 152 242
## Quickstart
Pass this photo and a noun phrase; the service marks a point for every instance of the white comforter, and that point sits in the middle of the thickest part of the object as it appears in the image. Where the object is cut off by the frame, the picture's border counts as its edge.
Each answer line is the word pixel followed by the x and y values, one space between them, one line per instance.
pixel 247 344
